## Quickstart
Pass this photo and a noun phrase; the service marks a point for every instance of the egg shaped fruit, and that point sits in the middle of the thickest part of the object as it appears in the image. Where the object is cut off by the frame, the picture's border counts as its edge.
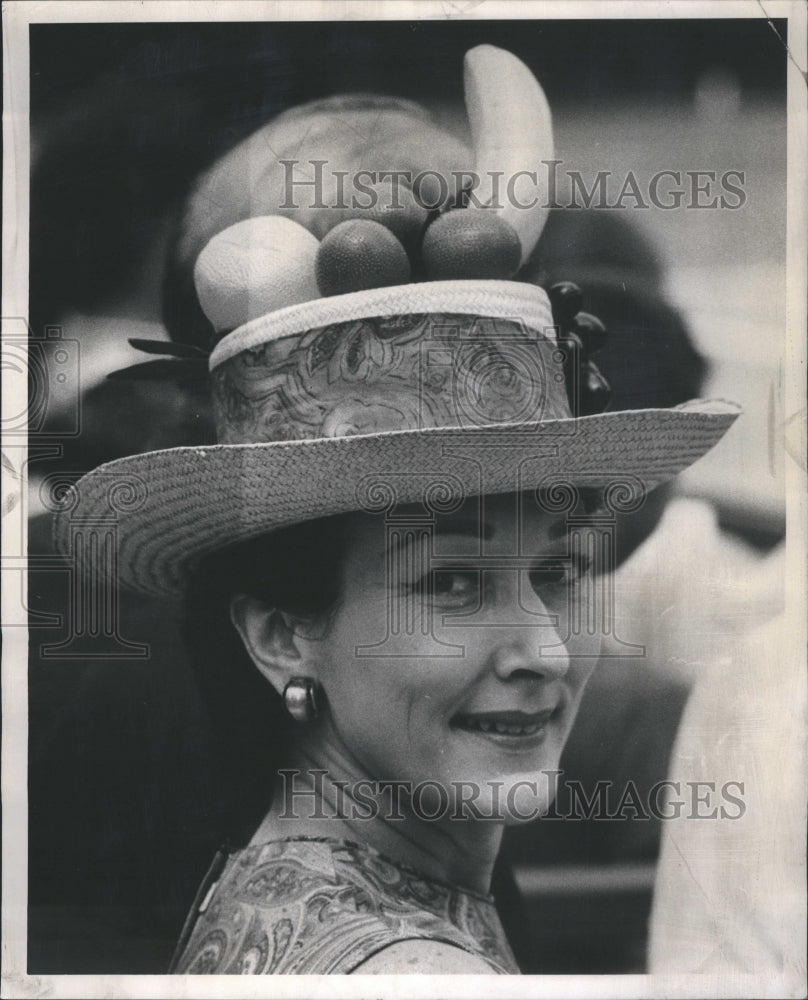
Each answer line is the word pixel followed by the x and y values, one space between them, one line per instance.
pixel 255 267
pixel 467 244
pixel 359 254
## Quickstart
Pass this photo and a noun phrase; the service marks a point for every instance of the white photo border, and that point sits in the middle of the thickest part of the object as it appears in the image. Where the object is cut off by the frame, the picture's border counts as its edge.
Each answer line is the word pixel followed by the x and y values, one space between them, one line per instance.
pixel 17 16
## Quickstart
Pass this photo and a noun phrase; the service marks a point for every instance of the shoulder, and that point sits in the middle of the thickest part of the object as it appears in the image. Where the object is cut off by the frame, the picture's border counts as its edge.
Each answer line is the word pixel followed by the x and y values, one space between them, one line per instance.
pixel 425 957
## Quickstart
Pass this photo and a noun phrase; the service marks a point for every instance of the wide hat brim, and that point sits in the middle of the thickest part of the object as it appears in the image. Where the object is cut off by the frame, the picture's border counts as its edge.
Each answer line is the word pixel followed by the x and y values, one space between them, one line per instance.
pixel 167 509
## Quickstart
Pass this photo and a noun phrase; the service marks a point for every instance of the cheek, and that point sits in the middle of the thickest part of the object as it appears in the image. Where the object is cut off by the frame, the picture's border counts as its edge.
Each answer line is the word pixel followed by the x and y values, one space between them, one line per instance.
pixel 391 714
pixel 391 695
pixel 382 688
pixel 585 650
pixel 581 669
pixel 372 651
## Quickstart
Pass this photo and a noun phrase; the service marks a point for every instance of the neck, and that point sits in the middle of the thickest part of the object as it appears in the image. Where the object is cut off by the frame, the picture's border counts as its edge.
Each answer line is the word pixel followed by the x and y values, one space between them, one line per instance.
pixel 319 795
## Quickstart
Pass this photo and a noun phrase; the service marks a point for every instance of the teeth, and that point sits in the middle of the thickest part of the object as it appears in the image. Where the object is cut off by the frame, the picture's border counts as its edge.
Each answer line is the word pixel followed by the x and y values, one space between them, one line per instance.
pixel 502 728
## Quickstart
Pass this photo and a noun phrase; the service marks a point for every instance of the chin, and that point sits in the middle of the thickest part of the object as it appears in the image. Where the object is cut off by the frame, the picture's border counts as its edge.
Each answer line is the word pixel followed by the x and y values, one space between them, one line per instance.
pixel 528 796
pixel 507 796
pixel 529 807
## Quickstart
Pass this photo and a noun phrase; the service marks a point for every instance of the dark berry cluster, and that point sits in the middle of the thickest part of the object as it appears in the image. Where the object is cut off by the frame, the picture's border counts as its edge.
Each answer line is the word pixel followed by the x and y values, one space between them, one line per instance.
pixel 579 335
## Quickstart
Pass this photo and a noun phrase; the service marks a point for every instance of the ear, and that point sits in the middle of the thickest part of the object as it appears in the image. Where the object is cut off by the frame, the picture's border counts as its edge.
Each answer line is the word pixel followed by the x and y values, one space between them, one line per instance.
pixel 270 639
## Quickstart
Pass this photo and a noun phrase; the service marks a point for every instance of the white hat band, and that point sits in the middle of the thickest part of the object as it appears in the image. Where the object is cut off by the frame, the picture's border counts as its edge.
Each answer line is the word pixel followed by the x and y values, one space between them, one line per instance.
pixel 518 302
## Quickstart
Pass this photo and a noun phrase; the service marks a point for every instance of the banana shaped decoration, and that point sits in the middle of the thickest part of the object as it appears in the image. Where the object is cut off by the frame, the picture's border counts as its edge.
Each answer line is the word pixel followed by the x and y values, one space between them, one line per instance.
pixel 511 131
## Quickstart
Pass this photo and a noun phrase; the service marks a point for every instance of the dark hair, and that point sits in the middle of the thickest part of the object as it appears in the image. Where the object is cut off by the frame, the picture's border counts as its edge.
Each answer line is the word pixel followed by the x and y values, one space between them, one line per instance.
pixel 297 570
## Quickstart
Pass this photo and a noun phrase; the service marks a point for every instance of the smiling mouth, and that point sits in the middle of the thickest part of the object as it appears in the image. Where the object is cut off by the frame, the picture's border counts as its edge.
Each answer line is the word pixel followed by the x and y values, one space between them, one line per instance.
pixel 509 724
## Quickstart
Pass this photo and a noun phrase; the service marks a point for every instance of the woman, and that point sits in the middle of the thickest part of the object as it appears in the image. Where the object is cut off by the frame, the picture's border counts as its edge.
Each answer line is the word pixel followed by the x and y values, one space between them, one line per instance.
pixel 393 560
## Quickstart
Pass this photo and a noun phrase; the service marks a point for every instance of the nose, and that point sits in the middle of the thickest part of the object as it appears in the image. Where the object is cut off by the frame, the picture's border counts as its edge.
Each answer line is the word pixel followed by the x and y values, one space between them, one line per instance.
pixel 531 649
pixel 520 657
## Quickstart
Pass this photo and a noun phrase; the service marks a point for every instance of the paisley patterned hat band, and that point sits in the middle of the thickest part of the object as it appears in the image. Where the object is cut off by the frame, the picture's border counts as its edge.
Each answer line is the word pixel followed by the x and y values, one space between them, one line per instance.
pixel 431 355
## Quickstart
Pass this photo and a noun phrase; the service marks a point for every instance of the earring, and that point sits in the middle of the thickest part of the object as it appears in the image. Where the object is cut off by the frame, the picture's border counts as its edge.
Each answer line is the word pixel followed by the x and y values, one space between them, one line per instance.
pixel 300 699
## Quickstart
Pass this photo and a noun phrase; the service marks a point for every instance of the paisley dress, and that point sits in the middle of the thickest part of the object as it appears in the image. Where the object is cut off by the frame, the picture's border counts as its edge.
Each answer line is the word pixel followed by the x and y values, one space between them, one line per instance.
pixel 322 905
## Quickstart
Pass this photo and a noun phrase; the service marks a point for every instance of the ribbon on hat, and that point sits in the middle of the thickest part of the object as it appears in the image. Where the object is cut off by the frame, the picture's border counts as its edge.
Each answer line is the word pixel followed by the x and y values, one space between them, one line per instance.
pixel 181 362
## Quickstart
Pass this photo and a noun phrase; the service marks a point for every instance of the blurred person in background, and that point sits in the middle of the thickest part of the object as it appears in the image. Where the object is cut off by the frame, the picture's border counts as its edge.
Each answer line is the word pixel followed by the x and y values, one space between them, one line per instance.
pixel 729 900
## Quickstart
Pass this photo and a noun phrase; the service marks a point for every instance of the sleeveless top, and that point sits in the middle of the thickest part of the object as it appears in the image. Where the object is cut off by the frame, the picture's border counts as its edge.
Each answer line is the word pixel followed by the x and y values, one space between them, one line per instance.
pixel 321 905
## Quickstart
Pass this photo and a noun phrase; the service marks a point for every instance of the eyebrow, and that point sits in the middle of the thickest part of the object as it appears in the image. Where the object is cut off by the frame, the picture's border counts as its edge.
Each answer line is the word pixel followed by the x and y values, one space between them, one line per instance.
pixel 465 526
pixel 469 526
pixel 456 526
pixel 560 527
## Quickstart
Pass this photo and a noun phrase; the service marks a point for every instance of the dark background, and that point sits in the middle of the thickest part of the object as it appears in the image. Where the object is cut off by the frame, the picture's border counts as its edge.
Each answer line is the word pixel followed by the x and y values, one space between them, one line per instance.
pixel 125 115
pixel 123 785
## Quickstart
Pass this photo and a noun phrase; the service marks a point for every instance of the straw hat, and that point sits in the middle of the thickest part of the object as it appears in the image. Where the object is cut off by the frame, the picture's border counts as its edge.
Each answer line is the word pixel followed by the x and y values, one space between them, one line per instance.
pixel 368 345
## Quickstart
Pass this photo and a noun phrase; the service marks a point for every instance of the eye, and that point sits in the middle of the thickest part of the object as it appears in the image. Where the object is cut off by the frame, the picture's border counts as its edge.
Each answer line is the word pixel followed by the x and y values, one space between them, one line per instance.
pixel 560 575
pixel 450 588
pixel 455 588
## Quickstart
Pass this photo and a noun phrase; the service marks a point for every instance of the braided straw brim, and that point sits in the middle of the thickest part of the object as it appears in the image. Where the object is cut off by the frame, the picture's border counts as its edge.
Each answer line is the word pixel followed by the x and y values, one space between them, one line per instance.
pixel 169 508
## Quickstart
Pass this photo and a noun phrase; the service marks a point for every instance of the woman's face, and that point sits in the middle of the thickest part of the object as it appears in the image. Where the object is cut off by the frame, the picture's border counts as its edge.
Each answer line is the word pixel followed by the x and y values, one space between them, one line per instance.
pixel 449 657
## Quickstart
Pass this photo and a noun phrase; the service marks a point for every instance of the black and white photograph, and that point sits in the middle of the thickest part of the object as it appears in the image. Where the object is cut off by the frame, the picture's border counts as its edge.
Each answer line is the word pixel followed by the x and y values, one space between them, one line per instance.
pixel 404 499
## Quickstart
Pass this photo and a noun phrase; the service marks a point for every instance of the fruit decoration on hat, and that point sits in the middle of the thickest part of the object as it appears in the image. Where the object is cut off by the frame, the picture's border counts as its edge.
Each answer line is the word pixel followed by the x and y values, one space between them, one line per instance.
pixel 263 264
